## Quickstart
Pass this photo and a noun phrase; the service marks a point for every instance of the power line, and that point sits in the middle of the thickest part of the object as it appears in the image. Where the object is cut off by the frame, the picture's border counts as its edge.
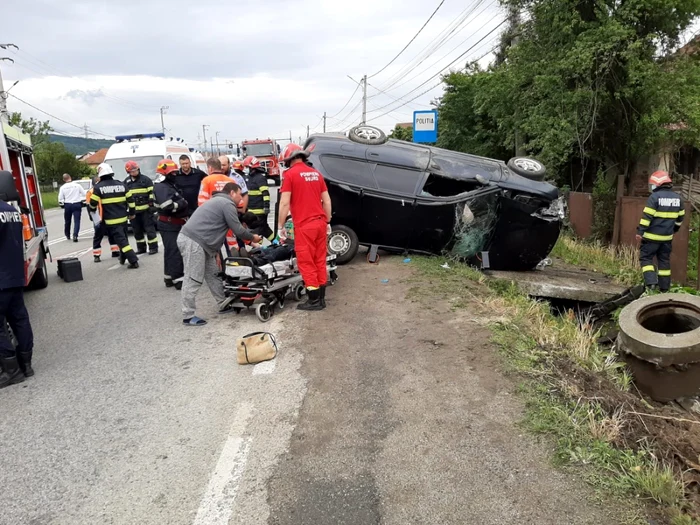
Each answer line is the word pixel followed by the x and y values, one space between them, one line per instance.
pixel 348 102
pixel 389 95
pixel 445 67
pixel 82 128
pixel 407 102
pixel 410 41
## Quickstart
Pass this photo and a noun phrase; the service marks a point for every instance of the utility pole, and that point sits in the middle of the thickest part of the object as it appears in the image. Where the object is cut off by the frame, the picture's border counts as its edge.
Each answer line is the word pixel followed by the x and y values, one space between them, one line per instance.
pixel 307 131
pixel 4 115
pixel 211 141
pixel 162 122
pixel 218 150
pixel 204 133
pixel 324 121
pixel 514 29
pixel 290 135
pixel 85 129
pixel 364 99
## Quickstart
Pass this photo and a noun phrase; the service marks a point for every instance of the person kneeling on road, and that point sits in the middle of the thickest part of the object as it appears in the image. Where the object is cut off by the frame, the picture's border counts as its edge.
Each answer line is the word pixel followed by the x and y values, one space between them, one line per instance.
pixel 200 240
pixel 304 192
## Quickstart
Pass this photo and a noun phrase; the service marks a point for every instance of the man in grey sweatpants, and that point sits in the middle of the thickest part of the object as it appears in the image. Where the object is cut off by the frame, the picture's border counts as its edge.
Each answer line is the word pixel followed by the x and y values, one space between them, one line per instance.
pixel 200 240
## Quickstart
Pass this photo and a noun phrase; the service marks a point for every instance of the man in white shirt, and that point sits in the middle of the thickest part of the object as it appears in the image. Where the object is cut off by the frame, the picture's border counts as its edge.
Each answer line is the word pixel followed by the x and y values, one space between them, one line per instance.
pixel 71 197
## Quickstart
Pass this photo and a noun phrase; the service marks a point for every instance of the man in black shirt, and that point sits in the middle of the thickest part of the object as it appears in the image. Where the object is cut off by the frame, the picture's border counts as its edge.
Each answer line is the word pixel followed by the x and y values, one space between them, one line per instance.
pixel 188 180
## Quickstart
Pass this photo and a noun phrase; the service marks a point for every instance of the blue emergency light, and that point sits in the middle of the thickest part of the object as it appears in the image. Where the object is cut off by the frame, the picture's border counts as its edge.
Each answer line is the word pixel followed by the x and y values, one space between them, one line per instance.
pixel 124 138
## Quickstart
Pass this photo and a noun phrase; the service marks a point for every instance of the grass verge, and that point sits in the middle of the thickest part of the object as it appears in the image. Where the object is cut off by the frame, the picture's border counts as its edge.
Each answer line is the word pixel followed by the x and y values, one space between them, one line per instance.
pixel 49 199
pixel 566 375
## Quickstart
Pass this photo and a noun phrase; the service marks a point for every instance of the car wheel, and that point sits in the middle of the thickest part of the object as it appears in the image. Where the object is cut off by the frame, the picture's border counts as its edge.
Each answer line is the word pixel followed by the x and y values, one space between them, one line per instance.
pixel 343 243
pixel 40 279
pixel 527 167
pixel 367 135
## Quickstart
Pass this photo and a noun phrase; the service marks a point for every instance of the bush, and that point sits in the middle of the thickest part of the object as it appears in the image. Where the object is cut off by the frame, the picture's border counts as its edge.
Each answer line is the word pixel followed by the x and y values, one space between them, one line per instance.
pixel 603 208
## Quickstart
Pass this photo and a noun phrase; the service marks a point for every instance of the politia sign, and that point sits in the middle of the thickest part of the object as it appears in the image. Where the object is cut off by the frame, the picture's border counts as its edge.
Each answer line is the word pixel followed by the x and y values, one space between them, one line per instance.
pixel 425 126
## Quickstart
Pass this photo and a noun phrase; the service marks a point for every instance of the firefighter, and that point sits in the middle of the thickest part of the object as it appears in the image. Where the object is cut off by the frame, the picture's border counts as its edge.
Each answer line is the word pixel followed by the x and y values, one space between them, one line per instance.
pixel 141 188
pixel 238 169
pixel 173 211
pixel 117 206
pixel 663 216
pixel 304 192
pixel 15 363
pixel 259 195
pixel 100 228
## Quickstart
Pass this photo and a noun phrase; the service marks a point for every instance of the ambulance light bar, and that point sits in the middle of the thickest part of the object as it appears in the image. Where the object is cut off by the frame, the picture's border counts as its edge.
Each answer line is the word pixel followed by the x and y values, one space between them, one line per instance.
pixel 124 138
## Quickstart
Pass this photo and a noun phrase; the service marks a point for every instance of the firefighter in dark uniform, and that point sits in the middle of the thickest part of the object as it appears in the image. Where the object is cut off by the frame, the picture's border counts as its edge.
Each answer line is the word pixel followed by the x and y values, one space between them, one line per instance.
pixel 15 364
pixel 141 188
pixel 173 211
pixel 117 205
pixel 258 197
pixel 663 216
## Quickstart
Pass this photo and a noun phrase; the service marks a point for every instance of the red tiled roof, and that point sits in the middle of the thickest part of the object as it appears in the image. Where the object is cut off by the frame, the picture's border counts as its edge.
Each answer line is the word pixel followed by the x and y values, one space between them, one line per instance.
pixel 97 158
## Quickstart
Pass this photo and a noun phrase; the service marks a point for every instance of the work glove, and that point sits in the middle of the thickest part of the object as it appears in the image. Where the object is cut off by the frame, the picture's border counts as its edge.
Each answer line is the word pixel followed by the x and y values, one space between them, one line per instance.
pixel 329 229
pixel 282 234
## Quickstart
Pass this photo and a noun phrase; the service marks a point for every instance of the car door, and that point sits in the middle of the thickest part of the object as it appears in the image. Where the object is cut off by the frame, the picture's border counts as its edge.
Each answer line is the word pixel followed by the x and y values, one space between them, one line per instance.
pixel 387 211
pixel 450 211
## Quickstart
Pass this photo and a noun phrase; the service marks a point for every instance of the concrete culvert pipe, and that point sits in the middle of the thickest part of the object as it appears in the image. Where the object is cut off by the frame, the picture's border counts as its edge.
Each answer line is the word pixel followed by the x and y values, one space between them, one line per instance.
pixel 662 329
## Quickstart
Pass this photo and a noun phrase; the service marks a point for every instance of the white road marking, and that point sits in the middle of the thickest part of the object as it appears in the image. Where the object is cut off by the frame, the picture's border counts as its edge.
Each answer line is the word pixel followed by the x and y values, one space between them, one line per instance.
pixel 216 506
pixel 114 267
pixel 264 368
pixel 78 253
pixel 63 239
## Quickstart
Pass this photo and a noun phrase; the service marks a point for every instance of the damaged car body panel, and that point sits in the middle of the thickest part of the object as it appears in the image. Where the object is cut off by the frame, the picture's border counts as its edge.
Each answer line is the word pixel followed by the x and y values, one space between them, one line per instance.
pixel 402 196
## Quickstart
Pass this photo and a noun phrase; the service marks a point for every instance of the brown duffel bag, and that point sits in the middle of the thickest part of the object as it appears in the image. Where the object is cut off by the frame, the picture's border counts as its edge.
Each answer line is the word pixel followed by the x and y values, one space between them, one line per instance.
pixel 256 347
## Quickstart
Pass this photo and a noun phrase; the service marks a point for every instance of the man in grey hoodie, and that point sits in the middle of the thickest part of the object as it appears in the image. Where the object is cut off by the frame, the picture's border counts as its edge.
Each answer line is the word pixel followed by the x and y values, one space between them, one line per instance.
pixel 200 240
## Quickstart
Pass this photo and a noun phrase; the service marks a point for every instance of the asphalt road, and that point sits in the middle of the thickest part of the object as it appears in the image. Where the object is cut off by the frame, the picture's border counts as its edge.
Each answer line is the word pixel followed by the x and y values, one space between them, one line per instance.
pixel 376 410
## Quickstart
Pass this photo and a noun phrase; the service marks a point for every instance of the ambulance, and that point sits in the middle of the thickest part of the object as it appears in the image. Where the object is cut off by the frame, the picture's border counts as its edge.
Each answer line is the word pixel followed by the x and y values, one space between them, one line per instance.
pixel 147 149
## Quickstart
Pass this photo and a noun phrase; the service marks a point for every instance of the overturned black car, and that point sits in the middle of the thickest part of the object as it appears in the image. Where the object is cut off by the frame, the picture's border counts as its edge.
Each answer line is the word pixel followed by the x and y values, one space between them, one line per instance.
pixel 406 197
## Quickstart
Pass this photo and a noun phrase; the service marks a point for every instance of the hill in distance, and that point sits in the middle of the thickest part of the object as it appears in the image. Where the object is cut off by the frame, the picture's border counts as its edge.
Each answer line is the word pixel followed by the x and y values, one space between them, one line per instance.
pixel 80 145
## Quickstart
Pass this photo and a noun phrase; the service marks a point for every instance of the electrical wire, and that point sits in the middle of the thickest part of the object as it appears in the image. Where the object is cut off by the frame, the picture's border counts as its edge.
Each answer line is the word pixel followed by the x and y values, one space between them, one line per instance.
pixel 410 41
pixel 55 117
pixel 402 105
pixel 348 102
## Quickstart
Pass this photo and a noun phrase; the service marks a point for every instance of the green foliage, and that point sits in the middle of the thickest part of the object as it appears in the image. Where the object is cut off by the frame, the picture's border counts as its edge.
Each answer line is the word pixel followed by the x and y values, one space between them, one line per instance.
pixel 693 247
pixel 36 129
pixel 80 145
pixel 603 207
pixel 49 199
pixel 590 80
pixel 400 133
pixel 52 161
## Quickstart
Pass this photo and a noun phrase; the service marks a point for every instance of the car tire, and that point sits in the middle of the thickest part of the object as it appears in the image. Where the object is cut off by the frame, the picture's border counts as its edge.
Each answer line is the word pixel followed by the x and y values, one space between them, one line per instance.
pixel 40 279
pixel 527 167
pixel 343 243
pixel 367 135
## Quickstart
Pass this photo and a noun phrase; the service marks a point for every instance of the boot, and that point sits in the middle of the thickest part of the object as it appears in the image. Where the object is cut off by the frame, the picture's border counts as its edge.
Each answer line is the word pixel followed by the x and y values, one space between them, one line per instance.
pixel 323 295
pixel 115 255
pixel 178 285
pixel 122 258
pixel 11 374
pixel 314 302
pixel 24 360
pixel 96 258
pixel 141 249
pixel 153 251
pixel 133 265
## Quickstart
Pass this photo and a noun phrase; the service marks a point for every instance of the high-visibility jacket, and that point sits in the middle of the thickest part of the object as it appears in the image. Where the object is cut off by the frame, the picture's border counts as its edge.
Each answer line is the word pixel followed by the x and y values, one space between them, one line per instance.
pixel 210 184
pixel 116 201
pixel 141 189
pixel 88 194
pixel 663 215
pixel 258 192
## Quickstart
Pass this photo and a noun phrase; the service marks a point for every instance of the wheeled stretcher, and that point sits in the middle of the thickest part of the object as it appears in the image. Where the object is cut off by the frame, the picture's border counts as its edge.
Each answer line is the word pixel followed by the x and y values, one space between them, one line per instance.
pixel 265 287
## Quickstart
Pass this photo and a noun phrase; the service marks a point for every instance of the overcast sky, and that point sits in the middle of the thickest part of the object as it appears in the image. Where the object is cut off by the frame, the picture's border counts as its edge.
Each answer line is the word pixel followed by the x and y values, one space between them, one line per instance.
pixel 247 69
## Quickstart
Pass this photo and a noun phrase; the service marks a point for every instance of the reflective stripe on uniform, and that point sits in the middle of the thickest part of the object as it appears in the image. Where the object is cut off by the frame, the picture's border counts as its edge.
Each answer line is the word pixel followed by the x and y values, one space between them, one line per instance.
pixel 264 188
pixel 114 248
pixel 257 211
pixel 95 198
pixel 113 200
pixel 127 248
pixel 97 252
pixel 112 222
pixel 645 222
pixel 254 193
pixel 664 273
pixel 153 241
pixel 649 211
pixel 667 214
pixel 143 207
pixel 681 213
pixel 648 268
pixel 660 238
pixel 140 190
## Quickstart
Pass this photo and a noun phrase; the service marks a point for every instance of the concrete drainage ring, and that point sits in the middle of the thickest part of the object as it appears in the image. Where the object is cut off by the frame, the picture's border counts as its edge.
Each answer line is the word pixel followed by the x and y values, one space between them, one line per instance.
pixel 662 329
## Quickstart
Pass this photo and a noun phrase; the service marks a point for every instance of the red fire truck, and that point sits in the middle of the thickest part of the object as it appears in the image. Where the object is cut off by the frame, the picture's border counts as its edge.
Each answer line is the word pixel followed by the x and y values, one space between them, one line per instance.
pixel 19 186
pixel 267 151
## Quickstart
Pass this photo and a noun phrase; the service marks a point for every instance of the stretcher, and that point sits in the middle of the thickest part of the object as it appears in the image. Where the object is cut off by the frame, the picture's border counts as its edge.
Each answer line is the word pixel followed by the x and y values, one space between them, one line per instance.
pixel 265 287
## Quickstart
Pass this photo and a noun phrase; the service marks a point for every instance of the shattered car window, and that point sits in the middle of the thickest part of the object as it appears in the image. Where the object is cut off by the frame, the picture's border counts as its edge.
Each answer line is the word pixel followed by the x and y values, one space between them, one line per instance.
pixel 397 180
pixel 438 186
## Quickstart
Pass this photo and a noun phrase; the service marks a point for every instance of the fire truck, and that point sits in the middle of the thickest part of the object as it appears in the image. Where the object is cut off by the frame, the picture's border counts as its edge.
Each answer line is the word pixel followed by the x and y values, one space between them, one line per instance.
pixel 19 186
pixel 267 151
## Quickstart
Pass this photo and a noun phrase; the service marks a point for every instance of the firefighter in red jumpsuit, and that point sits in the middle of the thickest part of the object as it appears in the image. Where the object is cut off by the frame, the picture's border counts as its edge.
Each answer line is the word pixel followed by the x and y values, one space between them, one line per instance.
pixel 304 193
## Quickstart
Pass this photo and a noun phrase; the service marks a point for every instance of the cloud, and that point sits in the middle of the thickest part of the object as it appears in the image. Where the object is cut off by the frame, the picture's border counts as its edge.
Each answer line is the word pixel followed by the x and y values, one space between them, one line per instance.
pixel 245 68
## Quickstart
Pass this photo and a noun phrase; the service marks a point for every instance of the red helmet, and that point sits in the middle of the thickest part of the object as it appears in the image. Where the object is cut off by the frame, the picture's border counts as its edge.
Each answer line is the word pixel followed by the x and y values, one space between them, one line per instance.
pixel 293 151
pixel 251 163
pixel 659 178
pixel 238 165
pixel 166 167
pixel 131 166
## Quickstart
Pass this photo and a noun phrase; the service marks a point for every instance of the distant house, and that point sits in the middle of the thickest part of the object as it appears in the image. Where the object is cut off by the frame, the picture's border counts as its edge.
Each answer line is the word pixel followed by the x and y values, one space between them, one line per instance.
pixel 84 155
pixel 96 158
pixel 405 125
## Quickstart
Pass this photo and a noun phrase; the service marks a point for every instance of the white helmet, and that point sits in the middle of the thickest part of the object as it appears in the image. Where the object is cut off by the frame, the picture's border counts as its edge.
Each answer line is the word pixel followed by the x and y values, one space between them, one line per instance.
pixel 104 169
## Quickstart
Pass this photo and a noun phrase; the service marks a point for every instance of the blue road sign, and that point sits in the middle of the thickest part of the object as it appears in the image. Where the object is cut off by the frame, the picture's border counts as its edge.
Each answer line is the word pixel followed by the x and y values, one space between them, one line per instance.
pixel 425 124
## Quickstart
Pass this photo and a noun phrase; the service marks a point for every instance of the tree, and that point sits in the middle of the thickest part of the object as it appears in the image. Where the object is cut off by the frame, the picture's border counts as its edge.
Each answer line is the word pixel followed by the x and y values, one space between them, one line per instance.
pixel 53 160
pixel 37 129
pixel 588 81
pixel 401 133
